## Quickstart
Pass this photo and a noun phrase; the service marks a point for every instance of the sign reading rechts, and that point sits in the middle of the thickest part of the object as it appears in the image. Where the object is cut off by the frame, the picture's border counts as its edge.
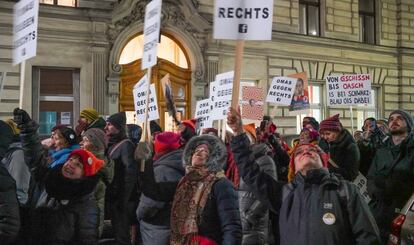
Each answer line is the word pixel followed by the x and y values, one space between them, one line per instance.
pixel 25 34
pixel 139 94
pixel 151 33
pixel 222 95
pixel 243 19
pixel 202 114
pixel 281 91
pixel 351 89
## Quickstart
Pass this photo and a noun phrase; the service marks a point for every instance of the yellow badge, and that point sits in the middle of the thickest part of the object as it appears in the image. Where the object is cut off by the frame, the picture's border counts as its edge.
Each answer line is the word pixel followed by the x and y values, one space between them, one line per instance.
pixel 329 218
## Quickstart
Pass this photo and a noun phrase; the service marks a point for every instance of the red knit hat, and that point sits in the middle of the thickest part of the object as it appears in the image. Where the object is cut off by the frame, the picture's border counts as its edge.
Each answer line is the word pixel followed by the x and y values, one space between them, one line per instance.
pixel 331 124
pixel 191 123
pixel 91 164
pixel 166 142
pixel 324 157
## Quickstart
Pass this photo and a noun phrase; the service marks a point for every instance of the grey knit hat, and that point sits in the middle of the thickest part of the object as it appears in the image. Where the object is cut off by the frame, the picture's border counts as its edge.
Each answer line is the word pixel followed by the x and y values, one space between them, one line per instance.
pixel 407 116
pixel 97 137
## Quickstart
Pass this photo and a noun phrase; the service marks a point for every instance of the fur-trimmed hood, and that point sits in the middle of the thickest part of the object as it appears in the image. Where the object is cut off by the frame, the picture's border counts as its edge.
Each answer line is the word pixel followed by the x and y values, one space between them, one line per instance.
pixel 218 152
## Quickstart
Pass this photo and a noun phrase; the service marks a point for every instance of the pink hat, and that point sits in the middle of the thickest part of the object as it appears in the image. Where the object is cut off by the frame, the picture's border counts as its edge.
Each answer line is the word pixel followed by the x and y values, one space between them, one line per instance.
pixel 331 124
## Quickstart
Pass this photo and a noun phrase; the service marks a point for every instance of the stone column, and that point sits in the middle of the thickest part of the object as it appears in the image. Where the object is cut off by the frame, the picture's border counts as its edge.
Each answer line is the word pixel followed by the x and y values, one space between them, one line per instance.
pixel 100 71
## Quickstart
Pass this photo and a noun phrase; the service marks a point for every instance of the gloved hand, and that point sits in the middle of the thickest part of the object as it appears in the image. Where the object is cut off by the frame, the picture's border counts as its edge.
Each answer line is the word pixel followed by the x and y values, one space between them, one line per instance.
pixel 21 117
pixel 143 151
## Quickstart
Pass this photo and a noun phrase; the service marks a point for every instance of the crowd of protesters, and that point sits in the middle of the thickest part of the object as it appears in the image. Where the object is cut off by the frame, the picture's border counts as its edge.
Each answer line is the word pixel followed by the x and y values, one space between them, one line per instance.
pixel 191 187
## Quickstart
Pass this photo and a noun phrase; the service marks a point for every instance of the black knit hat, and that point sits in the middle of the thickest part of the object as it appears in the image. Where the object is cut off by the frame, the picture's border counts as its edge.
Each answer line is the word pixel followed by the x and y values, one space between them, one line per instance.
pixel 118 120
pixel 407 116
pixel 69 135
pixel 312 121
pixel 154 127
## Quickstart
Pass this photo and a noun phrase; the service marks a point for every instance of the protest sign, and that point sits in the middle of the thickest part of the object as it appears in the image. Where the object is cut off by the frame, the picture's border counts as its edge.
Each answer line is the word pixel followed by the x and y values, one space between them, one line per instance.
pixel 300 99
pixel 252 103
pixel 243 19
pixel 361 184
pixel 202 114
pixel 281 90
pixel 350 89
pixel 152 25
pixel 140 104
pixel 222 95
pixel 25 33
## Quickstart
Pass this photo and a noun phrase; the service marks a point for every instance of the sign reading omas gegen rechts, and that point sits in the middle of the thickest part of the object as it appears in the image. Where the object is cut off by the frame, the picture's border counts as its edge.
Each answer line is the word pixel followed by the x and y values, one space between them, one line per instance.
pixel 25 20
pixel 350 89
pixel 139 92
pixel 243 19
pixel 151 33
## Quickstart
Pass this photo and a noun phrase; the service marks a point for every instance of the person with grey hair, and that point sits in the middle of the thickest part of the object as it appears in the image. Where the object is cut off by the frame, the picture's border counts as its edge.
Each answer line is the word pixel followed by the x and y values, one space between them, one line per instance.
pixel 391 175
pixel 205 207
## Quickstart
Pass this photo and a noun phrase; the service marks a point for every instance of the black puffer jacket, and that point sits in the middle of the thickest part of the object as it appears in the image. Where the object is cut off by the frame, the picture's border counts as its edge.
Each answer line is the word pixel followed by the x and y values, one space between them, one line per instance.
pixel 254 213
pixel 345 153
pixel 220 220
pixel 168 168
pixel 312 211
pixel 9 208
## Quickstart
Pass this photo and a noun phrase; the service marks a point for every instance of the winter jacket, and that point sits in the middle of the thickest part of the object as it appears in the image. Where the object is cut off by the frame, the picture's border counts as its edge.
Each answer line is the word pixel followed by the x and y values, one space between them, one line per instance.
pixel 254 213
pixel 75 214
pixel 345 153
pixel 390 189
pixel 168 168
pixel 220 219
pixel 311 208
pixel 9 208
pixel 15 163
pixel 367 149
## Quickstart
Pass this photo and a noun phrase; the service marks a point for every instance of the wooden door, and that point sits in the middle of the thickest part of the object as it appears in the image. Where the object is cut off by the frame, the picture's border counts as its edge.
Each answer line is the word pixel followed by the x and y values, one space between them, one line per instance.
pixel 180 83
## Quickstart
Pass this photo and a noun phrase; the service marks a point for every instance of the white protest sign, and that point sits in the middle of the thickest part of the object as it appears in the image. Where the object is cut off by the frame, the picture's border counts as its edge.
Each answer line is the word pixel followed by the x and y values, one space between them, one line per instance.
pixel 281 90
pixel 222 95
pixel 243 19
pixel 351 89
pixel 361 184
pixel 25 33
pixel 202 114
pixel 151 33
pixel 139 94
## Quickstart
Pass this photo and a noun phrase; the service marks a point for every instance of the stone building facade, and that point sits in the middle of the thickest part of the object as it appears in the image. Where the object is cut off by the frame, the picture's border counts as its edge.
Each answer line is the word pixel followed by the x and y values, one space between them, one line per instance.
pixel 90 38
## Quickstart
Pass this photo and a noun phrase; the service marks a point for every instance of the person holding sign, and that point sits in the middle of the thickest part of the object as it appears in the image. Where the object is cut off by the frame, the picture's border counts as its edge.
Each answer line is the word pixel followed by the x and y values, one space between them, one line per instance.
pixel 205 206
pixel 317 208
pixel 391 176
pixel 341 147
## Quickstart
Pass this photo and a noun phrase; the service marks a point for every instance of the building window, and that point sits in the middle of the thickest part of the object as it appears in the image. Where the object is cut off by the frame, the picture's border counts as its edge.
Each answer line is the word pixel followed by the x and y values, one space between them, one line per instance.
pixel 55 97
pixel 309 17
pixel 69 3
pixel 367 21
pixel 315 99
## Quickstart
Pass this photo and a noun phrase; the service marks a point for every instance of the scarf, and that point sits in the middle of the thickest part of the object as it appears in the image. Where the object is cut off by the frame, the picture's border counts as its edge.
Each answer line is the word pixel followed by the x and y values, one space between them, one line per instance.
pixel 189 201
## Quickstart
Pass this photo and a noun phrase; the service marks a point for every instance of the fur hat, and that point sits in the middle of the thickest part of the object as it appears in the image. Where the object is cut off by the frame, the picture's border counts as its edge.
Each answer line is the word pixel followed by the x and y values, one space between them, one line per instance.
pixel 166 142
pixel 218 153
pixel 91 164
pixel 331 124
pixel 407 116
pixel 90 114
pixel 69 135
pixel 292 171
pixel 118 120
pixel 97 137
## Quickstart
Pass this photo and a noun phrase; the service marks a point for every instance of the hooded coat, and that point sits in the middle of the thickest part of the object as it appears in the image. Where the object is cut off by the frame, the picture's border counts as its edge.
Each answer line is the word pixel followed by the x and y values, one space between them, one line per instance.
pixel 345 153
pixel 220 219
pixel 310 209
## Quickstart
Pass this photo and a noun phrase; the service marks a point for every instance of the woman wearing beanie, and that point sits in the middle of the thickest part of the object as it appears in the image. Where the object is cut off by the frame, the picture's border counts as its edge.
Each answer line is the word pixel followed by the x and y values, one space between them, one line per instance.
pixel 65 141
pixel 205 207
pixel 154 216
pixel 94 140
pixel 341 146
pixel 72 213
pixel 89 118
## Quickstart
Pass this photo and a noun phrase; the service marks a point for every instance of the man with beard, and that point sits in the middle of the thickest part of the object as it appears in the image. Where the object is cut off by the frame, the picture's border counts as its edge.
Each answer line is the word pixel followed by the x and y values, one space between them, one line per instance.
pixel 391 176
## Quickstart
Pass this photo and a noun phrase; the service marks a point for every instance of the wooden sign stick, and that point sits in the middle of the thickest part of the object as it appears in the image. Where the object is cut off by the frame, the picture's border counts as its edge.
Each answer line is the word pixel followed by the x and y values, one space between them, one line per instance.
pixel 237 74
pixel 144 130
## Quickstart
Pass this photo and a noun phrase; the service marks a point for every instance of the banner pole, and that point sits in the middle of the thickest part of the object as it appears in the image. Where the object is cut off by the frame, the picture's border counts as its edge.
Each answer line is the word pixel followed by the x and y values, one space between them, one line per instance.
pixel 3 79
pixel 219 132
pixel 223 125
pixel 352 119
pixel 145 134
pixel 237 74
pixel 22 75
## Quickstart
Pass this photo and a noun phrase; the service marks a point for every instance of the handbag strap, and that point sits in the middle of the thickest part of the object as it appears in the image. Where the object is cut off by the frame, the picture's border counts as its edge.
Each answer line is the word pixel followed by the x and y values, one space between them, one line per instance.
pixel 117 146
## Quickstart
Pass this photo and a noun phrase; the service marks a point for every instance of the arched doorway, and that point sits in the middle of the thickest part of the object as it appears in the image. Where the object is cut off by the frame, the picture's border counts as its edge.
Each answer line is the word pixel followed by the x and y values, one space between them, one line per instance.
pixel 172 59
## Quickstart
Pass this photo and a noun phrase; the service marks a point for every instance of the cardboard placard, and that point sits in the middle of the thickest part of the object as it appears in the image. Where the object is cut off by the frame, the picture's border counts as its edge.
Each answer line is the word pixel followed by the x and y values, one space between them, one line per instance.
pixel 350 89
pixel 243 19
pixel 252 103
pixel 300 99
pixel 25 19
pixel 202 114
pixel 152 26
pixel 281 90
pixel 139 93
